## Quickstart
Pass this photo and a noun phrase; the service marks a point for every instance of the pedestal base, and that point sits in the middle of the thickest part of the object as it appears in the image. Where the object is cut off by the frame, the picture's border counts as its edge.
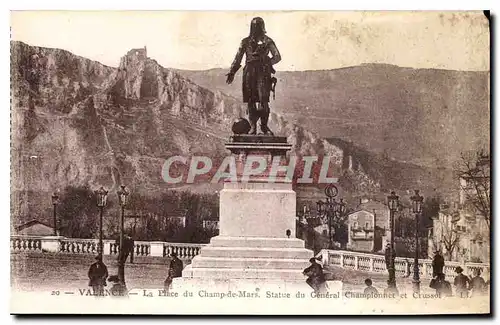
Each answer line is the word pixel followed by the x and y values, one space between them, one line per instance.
pixel 250 258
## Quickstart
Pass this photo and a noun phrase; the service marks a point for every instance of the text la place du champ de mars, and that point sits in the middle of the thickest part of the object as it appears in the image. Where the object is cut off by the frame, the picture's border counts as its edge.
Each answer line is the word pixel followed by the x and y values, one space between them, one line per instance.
pixel 203 293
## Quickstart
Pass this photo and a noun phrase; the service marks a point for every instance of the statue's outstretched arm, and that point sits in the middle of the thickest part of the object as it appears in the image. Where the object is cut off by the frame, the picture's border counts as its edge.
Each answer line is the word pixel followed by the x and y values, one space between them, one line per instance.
pixel 235 66
pixel 237 59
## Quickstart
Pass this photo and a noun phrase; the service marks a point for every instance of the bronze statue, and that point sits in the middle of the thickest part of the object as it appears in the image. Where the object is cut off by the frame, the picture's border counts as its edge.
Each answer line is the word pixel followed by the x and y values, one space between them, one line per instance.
pixel 258 81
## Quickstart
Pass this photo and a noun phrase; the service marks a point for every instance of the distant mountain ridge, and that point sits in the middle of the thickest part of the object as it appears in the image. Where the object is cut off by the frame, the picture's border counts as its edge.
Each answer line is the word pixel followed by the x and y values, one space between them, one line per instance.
pixel 78 122
pixel 423 116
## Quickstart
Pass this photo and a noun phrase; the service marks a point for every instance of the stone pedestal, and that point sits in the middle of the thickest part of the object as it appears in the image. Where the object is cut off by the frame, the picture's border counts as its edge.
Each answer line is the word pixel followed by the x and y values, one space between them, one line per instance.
pixel 256 245
pixel 257 210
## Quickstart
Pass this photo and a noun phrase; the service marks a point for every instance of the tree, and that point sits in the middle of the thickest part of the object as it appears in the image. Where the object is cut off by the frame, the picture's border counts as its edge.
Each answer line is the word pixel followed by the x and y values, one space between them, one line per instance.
pixel 444 216
pixel 159 216
pixel 450 237
pixel 78 212
pixel 473 169
pixel 111 225
pixel 430 209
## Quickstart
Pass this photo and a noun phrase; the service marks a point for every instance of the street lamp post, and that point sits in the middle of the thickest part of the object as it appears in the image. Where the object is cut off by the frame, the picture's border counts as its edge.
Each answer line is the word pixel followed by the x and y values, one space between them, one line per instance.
pixel 331 209
pixel 55 201
pixel 326 210
pixel 341 210
pixel 393 201
pixel 310 222
pixel 417 210
pixel 122 197
pixel 102 196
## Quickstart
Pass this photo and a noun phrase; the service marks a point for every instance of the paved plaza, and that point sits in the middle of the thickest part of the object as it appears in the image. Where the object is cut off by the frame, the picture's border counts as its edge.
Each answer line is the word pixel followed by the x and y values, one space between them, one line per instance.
pixel 47 272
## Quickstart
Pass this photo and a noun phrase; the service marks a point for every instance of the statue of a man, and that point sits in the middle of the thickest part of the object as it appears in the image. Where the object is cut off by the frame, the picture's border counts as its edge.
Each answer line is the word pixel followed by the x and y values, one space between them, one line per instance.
pixel 257 79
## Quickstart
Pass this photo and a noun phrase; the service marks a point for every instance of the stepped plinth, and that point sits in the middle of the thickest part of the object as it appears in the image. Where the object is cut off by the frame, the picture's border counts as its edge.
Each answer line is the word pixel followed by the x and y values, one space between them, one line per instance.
pixel 256 243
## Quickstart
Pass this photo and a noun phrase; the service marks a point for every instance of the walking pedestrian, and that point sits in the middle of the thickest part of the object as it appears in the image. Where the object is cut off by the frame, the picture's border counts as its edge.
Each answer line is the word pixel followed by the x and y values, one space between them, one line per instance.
pixel 477 284
pixel 442 287
pixel 315 276
pixel 461 283
pixel 437 264
pixel 370 289
pixel 174 270
pixel 98 273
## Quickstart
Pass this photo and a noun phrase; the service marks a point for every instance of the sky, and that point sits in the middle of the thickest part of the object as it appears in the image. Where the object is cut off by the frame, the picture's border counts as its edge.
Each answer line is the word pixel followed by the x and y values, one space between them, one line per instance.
pixel 307 40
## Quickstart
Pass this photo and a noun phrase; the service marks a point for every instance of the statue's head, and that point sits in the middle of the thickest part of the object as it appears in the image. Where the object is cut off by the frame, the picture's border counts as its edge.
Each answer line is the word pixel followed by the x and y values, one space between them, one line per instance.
pixel 257 27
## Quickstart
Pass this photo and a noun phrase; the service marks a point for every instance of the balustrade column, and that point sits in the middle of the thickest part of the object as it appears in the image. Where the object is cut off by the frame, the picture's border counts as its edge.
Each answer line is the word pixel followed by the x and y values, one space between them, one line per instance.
pixel 356 262
pixel 372 264
pixel 407 268
pixel 341 260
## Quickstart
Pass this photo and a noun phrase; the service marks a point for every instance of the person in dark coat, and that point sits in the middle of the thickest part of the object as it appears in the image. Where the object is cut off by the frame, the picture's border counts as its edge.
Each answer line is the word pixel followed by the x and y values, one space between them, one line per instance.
pixel 98 273
pixel 437 264
pixel 257 73
pixel 131 246
pixel 461 283
pixel 174 271
pixel 442 287
pixel 370 289
pixel 477 284
pixel 315 276
pixel 128 249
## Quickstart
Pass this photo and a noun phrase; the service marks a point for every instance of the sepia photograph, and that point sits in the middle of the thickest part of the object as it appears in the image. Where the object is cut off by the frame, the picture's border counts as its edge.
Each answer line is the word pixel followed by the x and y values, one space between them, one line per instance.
pixel 250 162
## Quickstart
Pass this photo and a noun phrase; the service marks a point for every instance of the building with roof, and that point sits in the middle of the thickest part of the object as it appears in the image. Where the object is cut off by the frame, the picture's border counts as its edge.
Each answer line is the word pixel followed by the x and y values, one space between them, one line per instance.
pixel 460 231
pixel 368 226
pixel 34 228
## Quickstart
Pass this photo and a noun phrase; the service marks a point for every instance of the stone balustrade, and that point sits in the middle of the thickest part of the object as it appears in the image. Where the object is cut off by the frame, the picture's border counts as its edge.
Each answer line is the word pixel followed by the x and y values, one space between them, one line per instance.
pixel 78 246
pixel 24 243
pixel 186 251
pixel 345 259
pixel 141 248
pixel 404 266
pixel 59 244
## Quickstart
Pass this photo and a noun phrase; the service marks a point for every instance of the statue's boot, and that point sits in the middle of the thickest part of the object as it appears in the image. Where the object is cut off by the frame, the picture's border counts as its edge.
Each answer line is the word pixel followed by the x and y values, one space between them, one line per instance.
pixel 263 123
pixel 253 124
pixel 253 117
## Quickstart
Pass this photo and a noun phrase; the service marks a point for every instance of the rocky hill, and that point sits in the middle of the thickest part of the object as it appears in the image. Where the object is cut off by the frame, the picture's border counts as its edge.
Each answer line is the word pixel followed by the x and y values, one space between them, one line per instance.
pixel 78 122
